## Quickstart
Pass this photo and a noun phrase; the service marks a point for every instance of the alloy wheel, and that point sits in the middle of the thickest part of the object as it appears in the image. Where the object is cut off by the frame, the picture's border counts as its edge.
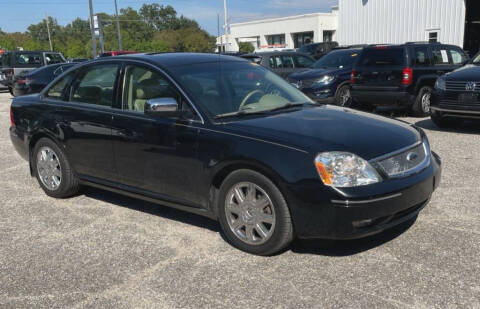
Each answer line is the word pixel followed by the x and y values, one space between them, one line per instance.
pixel 49 168
pixel 426 101
pixel 250 213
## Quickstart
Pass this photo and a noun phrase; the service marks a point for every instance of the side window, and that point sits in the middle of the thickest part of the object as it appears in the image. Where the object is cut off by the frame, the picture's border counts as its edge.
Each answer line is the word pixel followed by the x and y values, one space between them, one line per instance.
pixel 287 61
pixel 278 62
pixel 440 55
pixel 421 56
pixel 58 90
pixel 271 62
pixel 303 62
pixel 458 57
pixel 142 84
pixel 95 85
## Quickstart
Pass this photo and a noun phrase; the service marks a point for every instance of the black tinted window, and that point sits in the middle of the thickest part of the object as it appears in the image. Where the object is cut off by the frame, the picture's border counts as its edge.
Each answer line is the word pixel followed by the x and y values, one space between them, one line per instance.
pixel 28 58
pixel 52 58
pixel 58 90
pixel 304 62
pixel 421 56
pixel 337 59
pixel 383 57
pixel 95 85
pixel 440 55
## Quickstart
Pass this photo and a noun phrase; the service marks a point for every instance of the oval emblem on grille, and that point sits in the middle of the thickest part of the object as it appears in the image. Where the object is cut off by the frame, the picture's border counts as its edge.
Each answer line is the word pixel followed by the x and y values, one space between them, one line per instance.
pixel 471 86
pixel 412 156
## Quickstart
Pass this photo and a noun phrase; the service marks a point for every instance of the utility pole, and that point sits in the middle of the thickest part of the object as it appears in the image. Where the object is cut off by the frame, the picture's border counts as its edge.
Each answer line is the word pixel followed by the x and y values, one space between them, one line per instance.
pixel 218 32
pixel 92 31
pixel 226 24
pixel 48 31
pixel 118 27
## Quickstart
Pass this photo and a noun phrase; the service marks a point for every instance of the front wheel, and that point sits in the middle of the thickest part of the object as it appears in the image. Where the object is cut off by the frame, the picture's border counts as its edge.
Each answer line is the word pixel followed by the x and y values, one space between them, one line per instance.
pixel 253 213
pixel 343 97
pixel 421 106
pixel 53 170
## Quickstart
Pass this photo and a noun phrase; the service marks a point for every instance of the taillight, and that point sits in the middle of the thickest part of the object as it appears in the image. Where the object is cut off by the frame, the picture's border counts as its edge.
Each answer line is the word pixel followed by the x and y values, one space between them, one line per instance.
pixel 12 121
pixel 407 76
pixel 21 81
pixel 352 77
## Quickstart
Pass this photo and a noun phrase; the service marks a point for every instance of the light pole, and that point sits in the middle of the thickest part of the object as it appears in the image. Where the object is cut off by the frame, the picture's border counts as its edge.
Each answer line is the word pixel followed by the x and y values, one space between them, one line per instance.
pixel 118 28
pixel 92 31
pixel 226 24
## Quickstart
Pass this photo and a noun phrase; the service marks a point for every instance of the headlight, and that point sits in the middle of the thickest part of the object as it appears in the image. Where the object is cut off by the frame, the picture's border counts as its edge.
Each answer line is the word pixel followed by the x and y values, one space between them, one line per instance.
pixel 327 79
pixel 440 84
pixel 344 169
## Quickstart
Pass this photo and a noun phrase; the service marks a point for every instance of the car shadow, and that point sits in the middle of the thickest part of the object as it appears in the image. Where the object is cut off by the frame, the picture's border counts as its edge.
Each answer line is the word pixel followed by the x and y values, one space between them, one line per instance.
pixel 319 247
pixel 151 208
pixel 466 127
pixel 340 248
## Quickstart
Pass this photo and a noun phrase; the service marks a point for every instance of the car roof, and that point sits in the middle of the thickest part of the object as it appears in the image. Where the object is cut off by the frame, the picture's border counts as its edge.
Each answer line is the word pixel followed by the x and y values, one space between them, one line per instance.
pixel 178 59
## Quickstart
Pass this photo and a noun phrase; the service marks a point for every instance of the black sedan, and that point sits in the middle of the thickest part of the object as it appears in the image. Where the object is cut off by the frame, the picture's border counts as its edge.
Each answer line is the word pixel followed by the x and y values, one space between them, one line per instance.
pixel 228 139
pixel 34 81
pixel 456 96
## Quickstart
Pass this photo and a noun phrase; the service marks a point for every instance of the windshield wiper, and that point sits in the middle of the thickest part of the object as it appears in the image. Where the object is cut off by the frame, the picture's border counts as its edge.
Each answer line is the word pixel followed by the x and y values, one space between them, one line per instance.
pixel 239 113
pixel 290 105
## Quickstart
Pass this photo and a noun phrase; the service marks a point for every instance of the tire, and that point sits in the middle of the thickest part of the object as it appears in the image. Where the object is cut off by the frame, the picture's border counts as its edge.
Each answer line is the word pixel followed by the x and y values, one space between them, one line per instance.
pixel 266 201
pixel 59 180
pixel 421 106
pixel 343 96
pixel 10 89
pixel 444 122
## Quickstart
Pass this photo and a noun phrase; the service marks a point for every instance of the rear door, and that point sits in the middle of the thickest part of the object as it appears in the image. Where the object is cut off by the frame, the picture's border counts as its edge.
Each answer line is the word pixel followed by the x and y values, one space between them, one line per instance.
pixel 87 117
pixel 380 69
pixel 442 60
pixel 284 65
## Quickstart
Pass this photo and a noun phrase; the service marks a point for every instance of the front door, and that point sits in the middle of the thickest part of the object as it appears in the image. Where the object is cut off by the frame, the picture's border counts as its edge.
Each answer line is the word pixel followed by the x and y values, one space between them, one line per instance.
pixel 154 155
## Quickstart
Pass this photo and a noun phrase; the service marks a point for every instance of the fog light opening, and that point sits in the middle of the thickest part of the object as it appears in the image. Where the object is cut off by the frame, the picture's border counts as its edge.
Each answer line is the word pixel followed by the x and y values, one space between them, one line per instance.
pixel 362 223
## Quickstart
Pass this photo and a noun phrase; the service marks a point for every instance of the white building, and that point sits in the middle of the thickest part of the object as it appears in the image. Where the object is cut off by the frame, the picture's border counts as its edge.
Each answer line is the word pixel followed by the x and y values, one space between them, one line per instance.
pixel 399 21
pixel 282 33
pixel 354 22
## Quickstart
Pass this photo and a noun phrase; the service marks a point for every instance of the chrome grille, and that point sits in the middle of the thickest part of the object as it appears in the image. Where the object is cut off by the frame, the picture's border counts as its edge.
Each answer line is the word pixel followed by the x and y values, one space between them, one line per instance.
pixel 463 86
pixel 406 162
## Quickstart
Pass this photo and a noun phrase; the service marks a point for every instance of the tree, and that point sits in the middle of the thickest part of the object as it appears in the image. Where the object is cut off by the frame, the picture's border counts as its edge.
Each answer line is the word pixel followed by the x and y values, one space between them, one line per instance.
pixel 246 47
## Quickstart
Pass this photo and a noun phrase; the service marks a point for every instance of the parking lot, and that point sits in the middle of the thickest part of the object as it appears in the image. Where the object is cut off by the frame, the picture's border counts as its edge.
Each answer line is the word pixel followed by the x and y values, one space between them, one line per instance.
pixel 102 249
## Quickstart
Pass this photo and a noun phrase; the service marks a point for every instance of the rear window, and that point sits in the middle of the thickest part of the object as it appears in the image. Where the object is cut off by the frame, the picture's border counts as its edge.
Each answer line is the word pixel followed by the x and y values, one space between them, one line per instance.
pixel 28 59
pixel 383 57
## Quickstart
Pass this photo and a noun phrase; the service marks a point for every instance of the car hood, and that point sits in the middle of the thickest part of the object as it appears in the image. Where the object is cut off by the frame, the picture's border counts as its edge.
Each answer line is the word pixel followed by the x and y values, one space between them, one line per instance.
pixel 469 72
pixel 329 128
pixel 314 73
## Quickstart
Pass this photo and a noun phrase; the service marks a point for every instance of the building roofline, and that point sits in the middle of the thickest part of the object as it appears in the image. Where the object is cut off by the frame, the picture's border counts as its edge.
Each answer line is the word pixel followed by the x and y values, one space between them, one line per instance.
pixel 260 21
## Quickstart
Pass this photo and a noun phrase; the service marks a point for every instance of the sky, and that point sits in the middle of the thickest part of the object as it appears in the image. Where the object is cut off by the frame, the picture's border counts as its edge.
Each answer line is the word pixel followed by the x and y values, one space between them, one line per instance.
pixel 17 15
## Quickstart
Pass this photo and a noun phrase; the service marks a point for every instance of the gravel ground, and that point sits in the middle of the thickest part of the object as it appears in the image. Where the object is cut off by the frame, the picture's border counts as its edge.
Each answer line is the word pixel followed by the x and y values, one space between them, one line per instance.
pixel 103 250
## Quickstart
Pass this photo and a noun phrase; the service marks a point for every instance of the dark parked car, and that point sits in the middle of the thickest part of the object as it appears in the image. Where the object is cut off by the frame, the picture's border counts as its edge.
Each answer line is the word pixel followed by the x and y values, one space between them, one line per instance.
pixel 16 62
pixel 281 62
pixel 457 95
pixel 403 75
pixel 220 137
pixel 329 79
pixel 34 81
pixel 318 50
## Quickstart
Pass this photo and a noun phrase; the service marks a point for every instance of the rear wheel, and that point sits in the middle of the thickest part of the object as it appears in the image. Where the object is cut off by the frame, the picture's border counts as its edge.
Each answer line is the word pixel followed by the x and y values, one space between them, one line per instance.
pixel 253 213
pixel 444 122
pixel 53 171
pixel 421 106
pixel 343 96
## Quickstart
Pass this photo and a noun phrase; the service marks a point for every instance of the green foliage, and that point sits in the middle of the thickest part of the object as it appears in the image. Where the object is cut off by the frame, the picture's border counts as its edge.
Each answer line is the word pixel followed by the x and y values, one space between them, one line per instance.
pixel 246 47
pixel 154 28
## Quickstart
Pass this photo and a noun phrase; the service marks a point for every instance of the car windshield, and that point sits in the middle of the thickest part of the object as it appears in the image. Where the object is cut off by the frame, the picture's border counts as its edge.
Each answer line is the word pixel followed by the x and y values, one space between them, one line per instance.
pixel 52 58
pixel 308 49
pixel 337 59
pixel 234 88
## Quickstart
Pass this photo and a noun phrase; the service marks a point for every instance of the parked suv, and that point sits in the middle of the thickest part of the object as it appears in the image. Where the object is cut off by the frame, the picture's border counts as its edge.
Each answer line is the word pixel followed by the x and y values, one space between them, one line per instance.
pixel 281 62
pixel 318 50
pixel 457 95
pixel 16 62
pixel 329 79
pixel 403 75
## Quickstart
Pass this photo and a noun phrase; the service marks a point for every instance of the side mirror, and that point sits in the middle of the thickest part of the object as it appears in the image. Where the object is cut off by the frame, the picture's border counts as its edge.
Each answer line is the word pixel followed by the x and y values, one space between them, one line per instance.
pixel 164 107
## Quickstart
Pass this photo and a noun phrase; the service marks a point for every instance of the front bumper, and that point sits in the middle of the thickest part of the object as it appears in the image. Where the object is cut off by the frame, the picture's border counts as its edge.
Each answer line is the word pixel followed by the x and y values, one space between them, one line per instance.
pixel 450 104
pixel 363 211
